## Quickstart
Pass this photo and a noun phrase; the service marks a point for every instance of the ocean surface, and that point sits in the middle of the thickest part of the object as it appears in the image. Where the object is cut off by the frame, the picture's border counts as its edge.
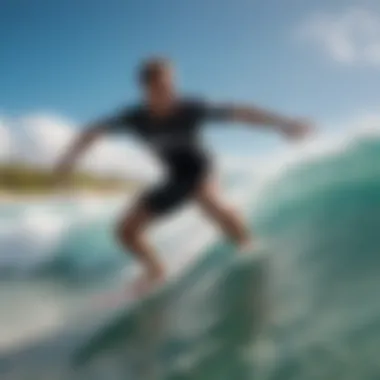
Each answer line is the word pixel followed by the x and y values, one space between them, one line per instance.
pixel 304 305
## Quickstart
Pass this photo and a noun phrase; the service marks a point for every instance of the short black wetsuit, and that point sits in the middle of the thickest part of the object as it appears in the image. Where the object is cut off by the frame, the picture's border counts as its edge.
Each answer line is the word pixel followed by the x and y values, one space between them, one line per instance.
pixel 176 141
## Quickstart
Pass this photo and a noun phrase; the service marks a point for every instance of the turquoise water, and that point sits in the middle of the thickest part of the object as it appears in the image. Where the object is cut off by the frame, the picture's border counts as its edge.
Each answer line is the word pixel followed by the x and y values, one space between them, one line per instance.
pixel 306 307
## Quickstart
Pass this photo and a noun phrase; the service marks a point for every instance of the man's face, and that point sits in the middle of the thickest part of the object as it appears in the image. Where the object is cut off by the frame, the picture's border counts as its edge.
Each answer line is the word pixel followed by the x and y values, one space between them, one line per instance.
pixel 161 87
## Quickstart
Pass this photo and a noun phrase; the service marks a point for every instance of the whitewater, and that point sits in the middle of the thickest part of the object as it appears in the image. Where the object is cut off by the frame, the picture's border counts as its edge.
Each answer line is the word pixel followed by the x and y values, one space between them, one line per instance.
pixel 306 307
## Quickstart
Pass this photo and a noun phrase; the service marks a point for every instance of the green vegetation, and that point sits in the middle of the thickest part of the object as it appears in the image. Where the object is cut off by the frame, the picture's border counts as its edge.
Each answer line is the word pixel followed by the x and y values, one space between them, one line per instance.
pixel 24 179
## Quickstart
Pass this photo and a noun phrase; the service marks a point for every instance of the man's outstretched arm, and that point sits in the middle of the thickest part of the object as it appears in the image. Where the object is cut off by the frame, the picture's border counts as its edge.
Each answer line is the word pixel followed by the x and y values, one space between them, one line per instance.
pixel 81 144
pixel 293 128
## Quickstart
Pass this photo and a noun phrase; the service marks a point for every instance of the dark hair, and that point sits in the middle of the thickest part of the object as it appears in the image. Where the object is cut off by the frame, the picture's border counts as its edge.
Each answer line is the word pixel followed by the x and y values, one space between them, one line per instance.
pixel 152 68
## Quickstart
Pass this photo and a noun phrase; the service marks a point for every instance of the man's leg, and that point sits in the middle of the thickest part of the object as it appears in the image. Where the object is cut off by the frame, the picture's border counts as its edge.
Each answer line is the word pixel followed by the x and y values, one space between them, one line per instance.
pixel 228 220
pixel 131 234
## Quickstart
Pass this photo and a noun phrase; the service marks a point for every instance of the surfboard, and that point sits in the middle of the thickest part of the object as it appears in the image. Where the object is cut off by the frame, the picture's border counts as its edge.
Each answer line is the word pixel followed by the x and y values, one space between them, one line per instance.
pixel 127 296
pixel 122 307
pixel 222 259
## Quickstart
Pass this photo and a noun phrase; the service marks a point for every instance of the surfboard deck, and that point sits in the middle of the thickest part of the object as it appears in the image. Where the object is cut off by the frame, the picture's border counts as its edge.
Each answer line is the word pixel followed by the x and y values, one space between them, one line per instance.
pixel 124 304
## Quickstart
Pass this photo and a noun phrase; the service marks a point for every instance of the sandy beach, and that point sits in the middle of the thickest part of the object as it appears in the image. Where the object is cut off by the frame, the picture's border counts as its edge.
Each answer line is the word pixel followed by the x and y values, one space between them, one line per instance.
pixel 14 198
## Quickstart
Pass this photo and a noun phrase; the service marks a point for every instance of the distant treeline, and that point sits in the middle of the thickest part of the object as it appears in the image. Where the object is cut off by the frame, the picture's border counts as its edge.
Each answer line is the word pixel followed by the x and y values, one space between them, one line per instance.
pixel 21 178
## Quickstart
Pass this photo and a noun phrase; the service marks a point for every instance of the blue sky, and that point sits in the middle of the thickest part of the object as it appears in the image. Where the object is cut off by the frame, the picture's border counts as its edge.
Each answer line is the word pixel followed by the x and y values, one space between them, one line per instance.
pixel 76 59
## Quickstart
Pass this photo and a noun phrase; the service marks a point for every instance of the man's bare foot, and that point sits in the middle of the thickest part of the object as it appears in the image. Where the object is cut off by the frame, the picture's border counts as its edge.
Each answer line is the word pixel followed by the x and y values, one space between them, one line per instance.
pixel 246 247
pixel 148 281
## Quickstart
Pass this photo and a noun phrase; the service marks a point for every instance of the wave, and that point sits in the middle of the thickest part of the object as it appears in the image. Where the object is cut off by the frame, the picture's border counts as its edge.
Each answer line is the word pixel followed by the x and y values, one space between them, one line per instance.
pixel 37 238
pixel 313 311
pixel 318 210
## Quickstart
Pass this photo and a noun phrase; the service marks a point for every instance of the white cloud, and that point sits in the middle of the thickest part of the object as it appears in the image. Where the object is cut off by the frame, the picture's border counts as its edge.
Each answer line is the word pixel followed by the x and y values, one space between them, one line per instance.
pixel 349 37
pixel 5 141
pixel 41 139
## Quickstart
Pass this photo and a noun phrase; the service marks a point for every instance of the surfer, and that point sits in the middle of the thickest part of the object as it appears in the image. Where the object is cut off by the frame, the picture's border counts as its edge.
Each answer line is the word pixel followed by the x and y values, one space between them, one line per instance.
pixel 170 124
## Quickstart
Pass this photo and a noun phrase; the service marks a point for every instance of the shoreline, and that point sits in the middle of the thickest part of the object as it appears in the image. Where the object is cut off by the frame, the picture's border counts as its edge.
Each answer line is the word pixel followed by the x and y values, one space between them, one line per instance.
pixel 14 198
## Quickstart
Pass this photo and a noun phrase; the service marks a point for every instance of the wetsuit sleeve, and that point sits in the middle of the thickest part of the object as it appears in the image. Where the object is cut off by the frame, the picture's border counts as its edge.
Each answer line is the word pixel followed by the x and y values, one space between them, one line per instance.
pixel 207 111
pixel 121 122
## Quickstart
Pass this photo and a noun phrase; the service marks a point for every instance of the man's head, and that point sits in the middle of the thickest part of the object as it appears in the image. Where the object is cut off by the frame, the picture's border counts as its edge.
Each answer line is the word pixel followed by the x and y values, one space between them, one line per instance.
pixel 156 77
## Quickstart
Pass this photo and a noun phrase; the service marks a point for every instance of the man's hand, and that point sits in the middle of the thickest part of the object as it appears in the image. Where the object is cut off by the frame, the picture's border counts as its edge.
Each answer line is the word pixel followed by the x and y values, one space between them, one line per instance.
pixel 297 129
